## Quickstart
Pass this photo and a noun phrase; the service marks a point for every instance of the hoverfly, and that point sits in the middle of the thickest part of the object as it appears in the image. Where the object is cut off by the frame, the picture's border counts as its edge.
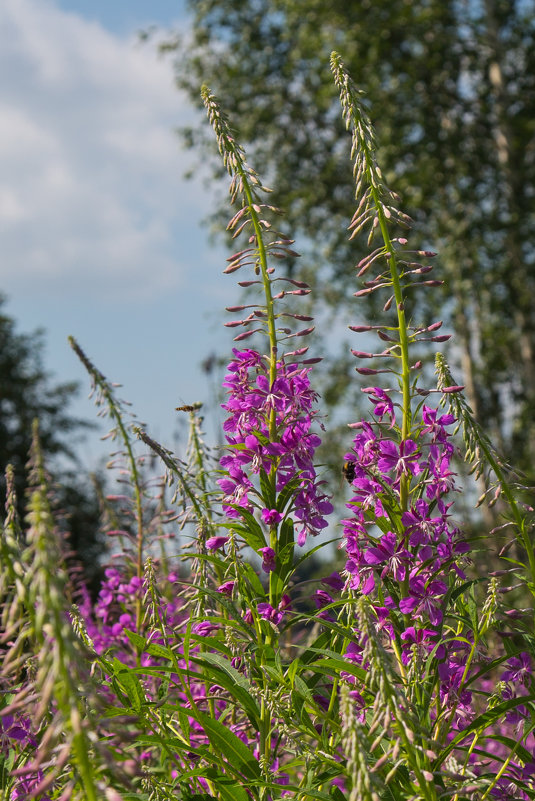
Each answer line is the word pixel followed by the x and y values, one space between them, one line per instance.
pixel 348 471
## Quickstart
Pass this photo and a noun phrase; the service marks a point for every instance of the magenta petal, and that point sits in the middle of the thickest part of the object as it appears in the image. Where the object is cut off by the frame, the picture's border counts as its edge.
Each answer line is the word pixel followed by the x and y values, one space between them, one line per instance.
pixel 406 605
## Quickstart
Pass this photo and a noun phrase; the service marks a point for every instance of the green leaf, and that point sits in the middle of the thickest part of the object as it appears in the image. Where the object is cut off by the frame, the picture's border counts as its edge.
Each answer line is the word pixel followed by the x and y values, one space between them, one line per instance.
pixel 464 586
pixel 333 666
pixel 519 749
pixel 286 544
pixel 482 721
pixel 136 639
pixel 250 574
pixel 198 797
pixel 287 493
pixel 210 642
pixel 292 669
pixel 251 531
pixel 274 673
pixel 170 742
pixel 130 685
pixel 239 756
pixel 312 551
pixel 153 648
pixel 222 673
pixel 303 793
pixel 316 648
pixel 267 489
pixel 231 791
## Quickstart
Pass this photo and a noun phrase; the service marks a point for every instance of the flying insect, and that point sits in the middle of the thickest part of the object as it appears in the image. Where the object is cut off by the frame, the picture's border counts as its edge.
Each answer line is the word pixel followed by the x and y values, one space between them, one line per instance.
pixel 348 471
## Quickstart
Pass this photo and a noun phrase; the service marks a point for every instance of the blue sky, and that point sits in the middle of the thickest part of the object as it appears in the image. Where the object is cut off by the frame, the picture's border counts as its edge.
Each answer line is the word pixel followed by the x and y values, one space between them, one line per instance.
pixel 100 233
pixel 122 17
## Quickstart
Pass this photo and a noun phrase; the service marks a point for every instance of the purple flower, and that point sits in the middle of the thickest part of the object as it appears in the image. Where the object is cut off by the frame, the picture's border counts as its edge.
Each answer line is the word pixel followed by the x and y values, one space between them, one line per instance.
pixel 252 401
pixel 125 621
pixel 214 543
pixel 420 527
pixel 383 617
pixel 519 669
pixel 204 628
pixel 353 654
pixel 422 599
pixel 226 588
pixel 364 447
pixel 403 459
pixel 271 517
pixel 435 426
pixel 25 786
pixel 423 638
pixel 442 478
pixel 387 551
pixel 368 495
pixel 383 404
pixel 360 577
pixel 322 599
pixel 334 581
pixel 452 676
pixel 266 611
pixel 517 714
pixel 16 728
pixel 268 559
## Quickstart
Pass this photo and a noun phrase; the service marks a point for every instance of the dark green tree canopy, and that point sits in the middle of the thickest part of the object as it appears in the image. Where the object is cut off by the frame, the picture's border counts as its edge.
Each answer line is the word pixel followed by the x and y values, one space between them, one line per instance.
pixel 452 90
pixel 27 391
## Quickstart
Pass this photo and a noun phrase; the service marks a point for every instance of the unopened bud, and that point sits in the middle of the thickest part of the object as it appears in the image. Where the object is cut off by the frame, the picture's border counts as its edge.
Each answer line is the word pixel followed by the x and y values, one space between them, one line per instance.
pixel 246 334
pixel 453 388
pixel 231 268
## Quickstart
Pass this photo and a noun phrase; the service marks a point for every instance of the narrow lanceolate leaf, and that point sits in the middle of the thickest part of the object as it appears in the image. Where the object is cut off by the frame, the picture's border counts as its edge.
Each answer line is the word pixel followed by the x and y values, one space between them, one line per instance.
pixel 129 684
pixel 251 532
pixel 220 671
pixel 230 791
pixel 241 759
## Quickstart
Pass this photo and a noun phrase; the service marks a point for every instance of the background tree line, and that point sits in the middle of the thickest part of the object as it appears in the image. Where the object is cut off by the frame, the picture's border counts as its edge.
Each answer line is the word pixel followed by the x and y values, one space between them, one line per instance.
pixel 27 391
pixel 451 87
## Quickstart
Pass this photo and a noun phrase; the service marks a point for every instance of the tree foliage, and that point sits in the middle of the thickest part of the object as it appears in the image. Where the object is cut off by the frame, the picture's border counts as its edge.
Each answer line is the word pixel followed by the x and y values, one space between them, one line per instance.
pixel 452 87
pixel 27 392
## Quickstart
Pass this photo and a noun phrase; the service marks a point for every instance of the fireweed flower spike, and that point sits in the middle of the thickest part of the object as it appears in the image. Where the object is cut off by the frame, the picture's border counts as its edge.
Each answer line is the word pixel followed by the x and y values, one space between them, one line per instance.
pixel 270 401
pixel 404 552
pixel 268 469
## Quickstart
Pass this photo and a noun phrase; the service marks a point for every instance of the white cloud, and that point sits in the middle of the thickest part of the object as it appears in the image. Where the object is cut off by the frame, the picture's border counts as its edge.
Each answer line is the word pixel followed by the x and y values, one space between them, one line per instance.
pixel 90 171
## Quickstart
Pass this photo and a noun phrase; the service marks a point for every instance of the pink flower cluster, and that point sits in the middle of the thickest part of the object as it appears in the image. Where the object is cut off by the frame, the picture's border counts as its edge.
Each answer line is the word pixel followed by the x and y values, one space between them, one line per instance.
pixel 252 403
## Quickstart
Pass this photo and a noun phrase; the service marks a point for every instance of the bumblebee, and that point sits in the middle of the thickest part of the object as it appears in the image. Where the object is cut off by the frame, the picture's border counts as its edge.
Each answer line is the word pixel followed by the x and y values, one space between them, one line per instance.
pixel 348 471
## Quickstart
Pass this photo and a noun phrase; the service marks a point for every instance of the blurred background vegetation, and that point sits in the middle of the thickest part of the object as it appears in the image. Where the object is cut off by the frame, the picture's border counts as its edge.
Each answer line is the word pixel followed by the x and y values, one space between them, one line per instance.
pixel 451 91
